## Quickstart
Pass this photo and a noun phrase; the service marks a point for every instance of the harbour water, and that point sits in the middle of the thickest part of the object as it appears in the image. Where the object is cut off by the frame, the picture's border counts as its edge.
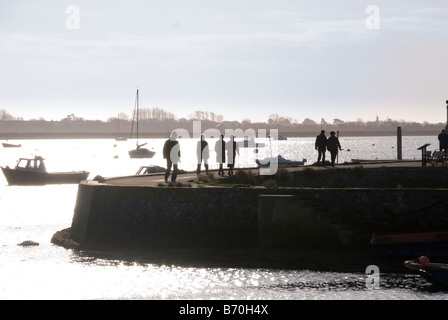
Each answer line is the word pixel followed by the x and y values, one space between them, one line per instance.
pixel 46 271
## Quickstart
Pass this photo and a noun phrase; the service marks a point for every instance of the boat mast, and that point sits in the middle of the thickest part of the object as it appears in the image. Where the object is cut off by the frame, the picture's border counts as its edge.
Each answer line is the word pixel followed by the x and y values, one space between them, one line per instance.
pixel 137 117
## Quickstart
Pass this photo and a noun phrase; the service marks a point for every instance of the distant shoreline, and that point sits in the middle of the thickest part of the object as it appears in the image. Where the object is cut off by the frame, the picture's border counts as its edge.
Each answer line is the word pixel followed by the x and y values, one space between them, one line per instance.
pixel 83 135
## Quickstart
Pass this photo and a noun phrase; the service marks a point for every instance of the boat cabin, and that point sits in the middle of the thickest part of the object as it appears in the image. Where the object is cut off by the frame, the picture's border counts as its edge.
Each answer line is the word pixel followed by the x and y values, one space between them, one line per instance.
pixel 149 169
pixel 31 164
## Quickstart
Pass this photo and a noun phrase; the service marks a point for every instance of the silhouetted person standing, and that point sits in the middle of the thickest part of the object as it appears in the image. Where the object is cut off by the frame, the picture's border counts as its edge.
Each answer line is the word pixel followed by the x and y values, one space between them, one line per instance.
pixel 333 146
pixel 171 152
pixel 443 141
pixel 202 154
pixel 321 146
pixel 232 151
pixel 220 149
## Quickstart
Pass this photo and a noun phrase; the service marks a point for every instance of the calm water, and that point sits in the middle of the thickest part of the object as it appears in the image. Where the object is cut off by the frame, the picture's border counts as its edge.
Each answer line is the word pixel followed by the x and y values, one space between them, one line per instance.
pixel 50 272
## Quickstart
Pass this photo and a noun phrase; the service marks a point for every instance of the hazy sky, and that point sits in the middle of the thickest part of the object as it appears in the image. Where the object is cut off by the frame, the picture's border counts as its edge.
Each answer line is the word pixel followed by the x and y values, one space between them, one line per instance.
pixel 239 58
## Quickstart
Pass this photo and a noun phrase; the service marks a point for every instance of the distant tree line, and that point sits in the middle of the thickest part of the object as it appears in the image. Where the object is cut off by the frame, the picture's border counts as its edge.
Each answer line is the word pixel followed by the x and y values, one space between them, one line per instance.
pixel 157 122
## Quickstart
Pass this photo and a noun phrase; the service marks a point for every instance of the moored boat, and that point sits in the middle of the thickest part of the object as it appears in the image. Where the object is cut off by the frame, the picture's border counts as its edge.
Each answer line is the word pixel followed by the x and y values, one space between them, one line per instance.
pixel 144 170
pixel 11 145
pixel 280 137
pixel 280 161
pixel 32 171
pixel 436 273
pixel 139 152
pixel 250 143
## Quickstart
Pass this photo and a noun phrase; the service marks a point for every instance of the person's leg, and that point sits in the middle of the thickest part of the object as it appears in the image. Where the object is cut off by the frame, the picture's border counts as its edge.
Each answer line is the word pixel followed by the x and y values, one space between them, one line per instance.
pixel 168 170
pixel 333 157
pixel 174 176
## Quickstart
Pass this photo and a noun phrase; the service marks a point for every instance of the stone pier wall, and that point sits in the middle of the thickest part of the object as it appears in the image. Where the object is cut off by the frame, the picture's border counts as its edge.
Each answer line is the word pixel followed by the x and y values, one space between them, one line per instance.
pixel 116 216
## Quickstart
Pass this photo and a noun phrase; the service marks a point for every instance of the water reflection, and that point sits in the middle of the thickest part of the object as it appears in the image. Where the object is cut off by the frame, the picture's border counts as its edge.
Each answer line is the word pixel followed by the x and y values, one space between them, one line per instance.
pixel 136 280
pixel 51 272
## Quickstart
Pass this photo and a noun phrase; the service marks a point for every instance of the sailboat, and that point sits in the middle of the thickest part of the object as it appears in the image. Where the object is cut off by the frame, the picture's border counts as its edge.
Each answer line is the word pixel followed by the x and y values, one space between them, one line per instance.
pixel 139 152
pixel 120 138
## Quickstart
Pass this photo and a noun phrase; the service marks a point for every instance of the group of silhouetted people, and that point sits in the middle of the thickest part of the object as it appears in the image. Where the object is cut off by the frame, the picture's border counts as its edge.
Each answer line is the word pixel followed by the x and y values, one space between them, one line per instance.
pixel 229 150
pixel 171 152
pixel 323 144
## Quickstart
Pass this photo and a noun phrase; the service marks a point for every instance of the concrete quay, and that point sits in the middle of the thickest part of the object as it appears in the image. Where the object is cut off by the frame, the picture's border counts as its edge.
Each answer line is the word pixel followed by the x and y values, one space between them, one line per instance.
pixel 153 180
pixel 313 225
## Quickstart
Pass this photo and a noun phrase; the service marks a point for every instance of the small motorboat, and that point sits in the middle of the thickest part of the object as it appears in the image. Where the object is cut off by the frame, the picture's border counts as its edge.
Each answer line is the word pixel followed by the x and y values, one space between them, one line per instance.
pixel 33 172
pixel 410 244
pixel 149 170
pixel 280 160
pixel 11 145
pixel 280 137
pixel 250 143
pixel 436 273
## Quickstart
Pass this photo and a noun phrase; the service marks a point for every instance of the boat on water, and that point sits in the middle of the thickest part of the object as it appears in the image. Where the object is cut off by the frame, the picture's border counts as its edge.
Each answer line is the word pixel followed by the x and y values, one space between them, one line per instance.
pixel 250 143
pixel 139 151
pixel 436 273
pixel 32 171
pixel 280 160
pixel 144 170
pixel 280 138
pixel 119 138
pixel 433 243
pixel 11 145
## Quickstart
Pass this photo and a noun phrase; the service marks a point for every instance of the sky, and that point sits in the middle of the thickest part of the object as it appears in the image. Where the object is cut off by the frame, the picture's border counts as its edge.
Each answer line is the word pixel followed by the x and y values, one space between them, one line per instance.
pixel 243 59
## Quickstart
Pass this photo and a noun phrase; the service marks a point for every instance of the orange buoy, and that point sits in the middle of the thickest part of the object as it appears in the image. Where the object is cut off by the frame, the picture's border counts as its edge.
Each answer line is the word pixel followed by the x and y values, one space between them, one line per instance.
pixel 423 260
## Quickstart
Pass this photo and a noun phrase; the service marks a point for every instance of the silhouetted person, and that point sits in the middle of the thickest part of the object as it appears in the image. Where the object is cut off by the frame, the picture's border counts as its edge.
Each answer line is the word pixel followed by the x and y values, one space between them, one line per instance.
pixel 333 146
pixel 232 150
pixel 202 154
pixel 220 147
pixel 443 141
pixel 171 152
pixel 321 146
